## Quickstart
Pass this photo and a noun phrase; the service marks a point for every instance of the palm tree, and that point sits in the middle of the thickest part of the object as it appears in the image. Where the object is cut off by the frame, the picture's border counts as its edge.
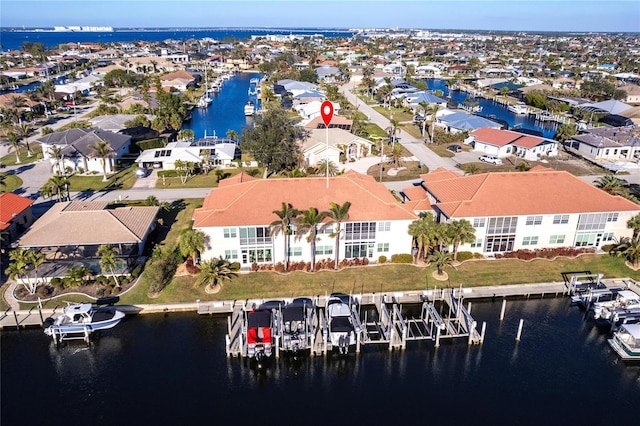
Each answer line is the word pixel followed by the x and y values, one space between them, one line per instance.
pixel 232 134
pixel 396 155
pixel 20 260
pixel 286 217
pixel 308 224
pixel 424 107
pixel 108 261
pixel 393 130
pixel 35 259
pixel 460 232
pixel 634 223
pixel 57 186
pixel 629 248
pixel 337 214
pixel 14 141
pixel 326 167
pixel 433 110
pixel 103 150
pixel 214 272
pixel 440 259
pixel 191 243
pixel 55 152
pixel 24 130
pixel 610 184
pixel 419 230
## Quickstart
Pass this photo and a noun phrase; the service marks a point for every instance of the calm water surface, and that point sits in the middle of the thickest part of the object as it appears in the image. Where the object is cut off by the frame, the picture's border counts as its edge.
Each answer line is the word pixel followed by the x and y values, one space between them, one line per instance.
pixel 172 369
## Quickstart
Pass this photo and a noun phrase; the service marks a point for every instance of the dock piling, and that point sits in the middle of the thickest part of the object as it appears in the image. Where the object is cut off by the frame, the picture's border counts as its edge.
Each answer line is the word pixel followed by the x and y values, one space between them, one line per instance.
pixel 519 330
pixel 484 328
pixel 504 306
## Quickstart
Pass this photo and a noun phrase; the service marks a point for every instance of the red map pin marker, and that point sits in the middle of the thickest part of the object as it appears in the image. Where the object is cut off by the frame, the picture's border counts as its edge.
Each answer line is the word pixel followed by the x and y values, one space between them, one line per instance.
pixel 326 111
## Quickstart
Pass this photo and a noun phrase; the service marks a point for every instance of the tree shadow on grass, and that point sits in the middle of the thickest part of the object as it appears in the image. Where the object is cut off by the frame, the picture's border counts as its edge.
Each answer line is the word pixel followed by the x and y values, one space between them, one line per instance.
pixel 166 219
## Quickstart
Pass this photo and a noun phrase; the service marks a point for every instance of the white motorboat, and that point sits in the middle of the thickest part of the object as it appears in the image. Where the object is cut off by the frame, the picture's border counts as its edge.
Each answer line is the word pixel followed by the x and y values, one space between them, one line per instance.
pixel 626 342
pixel 343 322
pixel 249 108
pixel 594 295
pixel 519 108
pixel 204 101
pixel 625 299
pixel 79 320
pixel 254 86
pixel 297 325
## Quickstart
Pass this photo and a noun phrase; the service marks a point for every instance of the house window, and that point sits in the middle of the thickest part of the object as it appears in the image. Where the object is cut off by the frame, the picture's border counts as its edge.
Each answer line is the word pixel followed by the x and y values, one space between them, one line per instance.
pixel 500 243
pixel 593 221
pixel 295 251
pixel 324 250
pixel 502 225
pixel 607 236
pixel 383 247
pixel 256 255
pixel 560 219
pixel 477 243
pixel 255 235
pixel 358 249
pixel 384 226
pixel 230 232
pixel 360 231
pixel 478 222
pixel 556 239
pixel 612 217
pixel 534 220
pixel 529 241
pixel 231 254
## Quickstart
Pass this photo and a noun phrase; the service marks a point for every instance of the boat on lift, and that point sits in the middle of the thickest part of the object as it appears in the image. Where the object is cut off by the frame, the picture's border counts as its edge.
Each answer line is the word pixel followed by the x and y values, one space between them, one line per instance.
pixel 343 322
pixel 626 342
pixel 79 320
pixel 519 108
pixel 249 108
pixel 297 325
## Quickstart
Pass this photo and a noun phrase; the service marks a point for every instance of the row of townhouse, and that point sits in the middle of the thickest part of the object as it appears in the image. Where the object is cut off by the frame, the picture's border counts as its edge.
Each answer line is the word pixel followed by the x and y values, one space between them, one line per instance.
pixel 538 209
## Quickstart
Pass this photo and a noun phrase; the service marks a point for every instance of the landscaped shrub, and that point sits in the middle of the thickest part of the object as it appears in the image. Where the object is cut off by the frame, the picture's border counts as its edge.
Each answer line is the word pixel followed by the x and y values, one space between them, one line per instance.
pixel 136 272
pixel 402 258
pixel 57 283
pixel 160 270
pixel 151 143
pixel 546 253
pixel 464 255
pixel 607 247
pixel 382 259
pixel 167 173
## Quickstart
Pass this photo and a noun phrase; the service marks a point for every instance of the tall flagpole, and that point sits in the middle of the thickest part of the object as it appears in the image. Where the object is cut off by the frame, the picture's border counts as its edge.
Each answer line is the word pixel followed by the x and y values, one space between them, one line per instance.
pixel 326 111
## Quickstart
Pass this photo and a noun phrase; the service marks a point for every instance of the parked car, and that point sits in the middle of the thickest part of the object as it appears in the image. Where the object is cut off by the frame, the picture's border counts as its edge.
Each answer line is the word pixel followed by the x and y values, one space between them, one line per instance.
pixel 492 159
pixel 454 148
pixel 142 172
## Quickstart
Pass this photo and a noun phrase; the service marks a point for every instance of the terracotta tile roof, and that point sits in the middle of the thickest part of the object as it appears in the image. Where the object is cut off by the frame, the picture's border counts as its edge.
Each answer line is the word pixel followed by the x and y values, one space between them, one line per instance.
pixel 528 142
pixel 11 204
pixel 414 193
pixel 252 202
pixel 85 223
pixel 495 137
pixel 439 174
pixel 534 192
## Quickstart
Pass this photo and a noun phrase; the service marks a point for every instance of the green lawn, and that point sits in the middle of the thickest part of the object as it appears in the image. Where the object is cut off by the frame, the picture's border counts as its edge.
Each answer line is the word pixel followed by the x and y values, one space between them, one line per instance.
pixel 36 154
pixel 124 179
pixel 386 278
pixel 200 181
pixel 9 182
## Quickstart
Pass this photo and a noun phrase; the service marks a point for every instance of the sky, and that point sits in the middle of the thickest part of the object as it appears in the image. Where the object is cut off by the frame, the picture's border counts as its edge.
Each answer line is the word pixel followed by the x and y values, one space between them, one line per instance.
pixel 508 15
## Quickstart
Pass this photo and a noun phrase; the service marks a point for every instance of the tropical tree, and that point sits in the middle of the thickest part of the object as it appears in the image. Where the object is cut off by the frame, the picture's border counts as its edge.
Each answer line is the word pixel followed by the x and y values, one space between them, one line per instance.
pixel 273 141
pixel 424 108
pixel 565 132
pixel 337 214
pixel 191 243
pixel 24 131
pixel 214 272
pixel 326 167
pixel 396 155
pixel 57 186
pixel 629 248
pixel 18 269
pixel 232 134
pixel 286 218
pixel 15 142
pixel 185 170
pixel 420 229
pixel 611 185
pixel 308 223
pixel 102 150
pixel 393 130
pixel 433 110
pixel 108 261
pixel 186 135
pixel 55 152
pixel 440 259
pixel 634 223
pixel 460 232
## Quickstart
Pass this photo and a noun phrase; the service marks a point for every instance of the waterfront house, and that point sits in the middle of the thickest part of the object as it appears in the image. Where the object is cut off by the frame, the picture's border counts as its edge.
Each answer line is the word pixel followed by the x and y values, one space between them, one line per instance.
pixel 70 233
pixel 76 149
pixel 236 216
pixel 178 80
pixel 541 208
pixel 460 121
pixel 501 143
pixel 218 151
pixel 608 143
pixel 15 216
pixel 337 121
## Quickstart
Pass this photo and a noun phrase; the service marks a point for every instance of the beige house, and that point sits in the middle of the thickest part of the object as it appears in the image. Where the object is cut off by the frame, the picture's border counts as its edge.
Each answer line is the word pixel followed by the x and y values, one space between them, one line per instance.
pixel 316 147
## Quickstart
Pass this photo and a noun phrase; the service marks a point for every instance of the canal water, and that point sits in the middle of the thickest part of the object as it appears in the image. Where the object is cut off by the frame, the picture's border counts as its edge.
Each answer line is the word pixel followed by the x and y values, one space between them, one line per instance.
pixel 496 110
pixel 171 369
pixel 226 112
